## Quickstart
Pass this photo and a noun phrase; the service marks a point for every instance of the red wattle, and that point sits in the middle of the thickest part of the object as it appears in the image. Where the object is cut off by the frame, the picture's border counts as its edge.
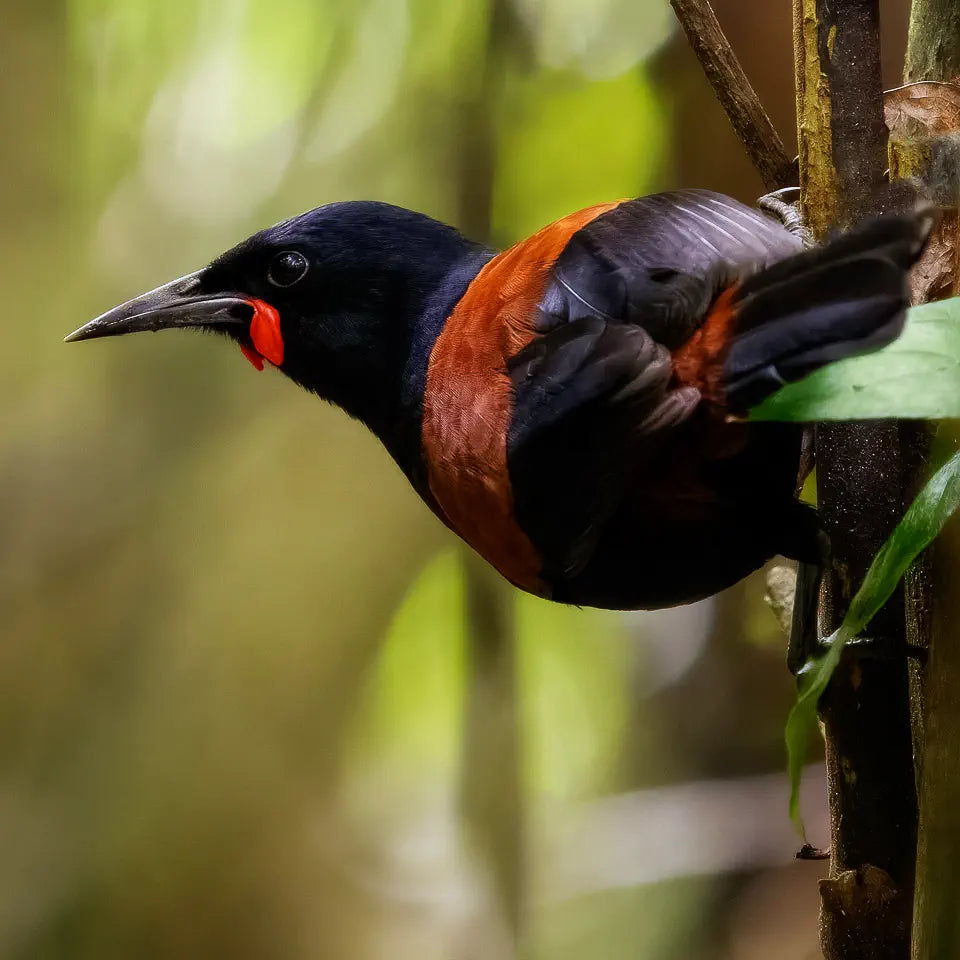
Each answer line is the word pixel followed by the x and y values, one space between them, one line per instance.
pixel 252 356
pixel 265 332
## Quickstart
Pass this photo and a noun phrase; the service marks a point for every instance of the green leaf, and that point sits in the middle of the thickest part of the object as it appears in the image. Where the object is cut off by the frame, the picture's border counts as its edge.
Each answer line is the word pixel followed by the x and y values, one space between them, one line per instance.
pixel 915 377
pixel 918 528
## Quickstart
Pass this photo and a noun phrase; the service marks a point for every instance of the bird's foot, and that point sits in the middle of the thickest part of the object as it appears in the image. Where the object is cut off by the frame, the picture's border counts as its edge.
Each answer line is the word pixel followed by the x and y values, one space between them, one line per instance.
pixel 801 610
pixel 813 545
pixel 873 648
pixel 787 212
pixel 805 642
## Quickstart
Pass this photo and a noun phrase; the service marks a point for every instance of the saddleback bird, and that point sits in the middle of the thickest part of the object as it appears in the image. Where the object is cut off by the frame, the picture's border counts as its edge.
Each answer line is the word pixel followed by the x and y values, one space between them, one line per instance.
pixel 571 407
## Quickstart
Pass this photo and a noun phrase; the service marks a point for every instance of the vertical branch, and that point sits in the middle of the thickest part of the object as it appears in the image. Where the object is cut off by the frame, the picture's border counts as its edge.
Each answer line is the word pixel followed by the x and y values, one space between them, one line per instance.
pixel 818 178
pixel 933 47
pixel 936 932
pixel 841 132
pixel 866 902
pixel 933 53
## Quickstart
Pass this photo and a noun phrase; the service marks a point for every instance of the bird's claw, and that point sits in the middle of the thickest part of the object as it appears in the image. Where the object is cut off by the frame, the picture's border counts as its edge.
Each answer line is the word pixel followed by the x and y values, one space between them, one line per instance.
pixel 787 212
pixel 868 648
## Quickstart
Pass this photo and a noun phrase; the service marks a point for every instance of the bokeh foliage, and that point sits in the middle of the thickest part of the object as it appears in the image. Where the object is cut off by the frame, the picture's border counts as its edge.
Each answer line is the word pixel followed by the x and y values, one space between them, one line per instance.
pixel 232 663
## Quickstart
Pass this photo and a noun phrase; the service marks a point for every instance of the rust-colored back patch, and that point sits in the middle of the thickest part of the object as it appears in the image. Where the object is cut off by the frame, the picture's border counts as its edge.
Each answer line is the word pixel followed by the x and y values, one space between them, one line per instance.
pixel 468 399
pixel 699 362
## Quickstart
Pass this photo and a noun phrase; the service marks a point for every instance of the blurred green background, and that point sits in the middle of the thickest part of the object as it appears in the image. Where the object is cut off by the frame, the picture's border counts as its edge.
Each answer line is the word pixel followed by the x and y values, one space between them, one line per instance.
pixel 254 700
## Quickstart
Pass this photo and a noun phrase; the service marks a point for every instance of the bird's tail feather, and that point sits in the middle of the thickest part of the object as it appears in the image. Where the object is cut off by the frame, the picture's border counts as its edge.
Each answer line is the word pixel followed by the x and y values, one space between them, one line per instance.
pixel 846 297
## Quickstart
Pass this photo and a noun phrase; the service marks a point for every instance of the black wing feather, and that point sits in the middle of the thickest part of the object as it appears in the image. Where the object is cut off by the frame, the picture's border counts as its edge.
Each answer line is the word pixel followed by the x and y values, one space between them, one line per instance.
pixel 591 400
pixel 594 395
pixel 659 261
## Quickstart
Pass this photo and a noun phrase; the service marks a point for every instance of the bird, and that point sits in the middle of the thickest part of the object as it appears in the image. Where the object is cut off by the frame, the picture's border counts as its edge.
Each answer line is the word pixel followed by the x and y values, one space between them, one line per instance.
pixel 574 407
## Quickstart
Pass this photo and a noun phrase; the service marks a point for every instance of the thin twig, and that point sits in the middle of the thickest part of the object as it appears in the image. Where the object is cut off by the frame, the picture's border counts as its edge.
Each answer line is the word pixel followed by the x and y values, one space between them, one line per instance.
pixel 735 93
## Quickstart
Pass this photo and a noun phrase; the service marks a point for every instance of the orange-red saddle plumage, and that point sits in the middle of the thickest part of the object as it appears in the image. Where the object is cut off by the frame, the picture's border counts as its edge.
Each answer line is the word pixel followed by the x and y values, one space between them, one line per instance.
pixel 468 401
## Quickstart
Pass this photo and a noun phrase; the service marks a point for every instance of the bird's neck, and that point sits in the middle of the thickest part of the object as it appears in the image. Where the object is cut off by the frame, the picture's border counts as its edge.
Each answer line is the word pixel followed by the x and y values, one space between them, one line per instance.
pixel 398 424
pixel 388 319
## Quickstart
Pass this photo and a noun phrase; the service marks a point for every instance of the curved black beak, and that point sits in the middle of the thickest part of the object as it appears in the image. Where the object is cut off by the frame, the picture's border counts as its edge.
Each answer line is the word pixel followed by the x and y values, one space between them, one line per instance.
pixel 176 304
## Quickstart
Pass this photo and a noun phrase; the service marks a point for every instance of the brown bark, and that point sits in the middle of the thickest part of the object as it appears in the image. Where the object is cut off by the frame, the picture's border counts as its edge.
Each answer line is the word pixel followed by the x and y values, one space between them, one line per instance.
pixel 933 48
pixel 862 468
pixel 936 931
pixel 933 53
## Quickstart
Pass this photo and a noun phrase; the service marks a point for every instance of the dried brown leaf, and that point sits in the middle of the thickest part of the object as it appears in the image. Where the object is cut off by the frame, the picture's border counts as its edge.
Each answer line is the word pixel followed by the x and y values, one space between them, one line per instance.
pixel 932 277
pixel 934 106
pixel 917 114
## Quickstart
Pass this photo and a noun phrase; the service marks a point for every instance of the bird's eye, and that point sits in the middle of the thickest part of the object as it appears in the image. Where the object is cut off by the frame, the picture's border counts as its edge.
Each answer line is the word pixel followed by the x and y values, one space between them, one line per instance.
pixel 287 268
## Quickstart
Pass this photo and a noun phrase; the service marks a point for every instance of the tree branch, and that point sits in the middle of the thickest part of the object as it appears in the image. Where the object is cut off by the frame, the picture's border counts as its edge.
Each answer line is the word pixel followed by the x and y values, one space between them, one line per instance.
pixel 933 53
pixel 862 469
pixel 936 932
pixel 735 93
pixel 933 48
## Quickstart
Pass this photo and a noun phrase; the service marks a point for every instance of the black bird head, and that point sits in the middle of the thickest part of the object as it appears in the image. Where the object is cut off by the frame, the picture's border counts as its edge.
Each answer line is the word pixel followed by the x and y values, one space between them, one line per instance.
pixel 346 300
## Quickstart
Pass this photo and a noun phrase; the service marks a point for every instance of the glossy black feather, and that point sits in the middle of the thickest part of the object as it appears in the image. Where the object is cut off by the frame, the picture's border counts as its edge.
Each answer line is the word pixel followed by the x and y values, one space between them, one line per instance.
pixel 849 296
pixel 592 400
pixel 659 261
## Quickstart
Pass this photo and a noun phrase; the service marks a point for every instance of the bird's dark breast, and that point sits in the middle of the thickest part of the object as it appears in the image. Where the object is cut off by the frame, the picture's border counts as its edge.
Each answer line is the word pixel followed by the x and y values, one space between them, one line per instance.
pixel 698 520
